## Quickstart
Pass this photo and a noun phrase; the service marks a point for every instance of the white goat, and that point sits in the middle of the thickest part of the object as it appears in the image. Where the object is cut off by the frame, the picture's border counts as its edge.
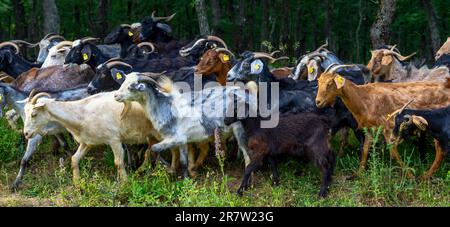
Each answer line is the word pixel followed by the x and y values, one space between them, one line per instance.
pixel 95 120
pixel 57 54
pixel 176 119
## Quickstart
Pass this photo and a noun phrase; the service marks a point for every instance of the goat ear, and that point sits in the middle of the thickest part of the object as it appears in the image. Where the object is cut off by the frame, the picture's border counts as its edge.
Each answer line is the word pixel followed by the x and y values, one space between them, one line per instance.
pixel 118 75
pixel 420 122
pixel 386 60
pixel 86 53
pixel 339 81
pixel 164 27
pixel 224 58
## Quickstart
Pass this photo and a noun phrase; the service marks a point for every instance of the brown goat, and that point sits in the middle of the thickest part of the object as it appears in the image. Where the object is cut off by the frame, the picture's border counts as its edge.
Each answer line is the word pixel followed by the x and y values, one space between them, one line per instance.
pixel 218 61
pixel 445 49
pixel 54 78
pixel 371 104
pixel 215 61
pixel 387 66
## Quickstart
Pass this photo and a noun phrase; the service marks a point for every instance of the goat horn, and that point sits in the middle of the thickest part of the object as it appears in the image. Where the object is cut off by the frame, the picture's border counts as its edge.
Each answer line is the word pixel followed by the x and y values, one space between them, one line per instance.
pixel 399 56
pixel 323 46
pixel 169 18
pixel 264 55
pixel 88 39
pixel 32 93
pixel 27 44
pixel 315 54
pixel 111 60
pixel 63 44
pixel 115 63
pixel 336 67
pixel 215 38
pixel 395 113
pixel 4 44
pixel 4 77
pixel 48 35
pixel 52 37
pixel 225 50
pixel 393 47
pixel 147 44
pixel 275 52
pixel 36 97
pixel 125 25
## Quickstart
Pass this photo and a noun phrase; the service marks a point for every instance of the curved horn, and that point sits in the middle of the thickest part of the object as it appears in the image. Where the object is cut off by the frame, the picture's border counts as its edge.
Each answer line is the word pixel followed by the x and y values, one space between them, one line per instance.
pixel 27 44
pixel 52 37
pixel 147 44
pixel 89 39
pixel 169 18
pixel 63 44
pixel 217 39
pixel 333 68
pixel 316 54
pixel 275 52
pixel 323 46
pixel 125 25
pixel 399 56
pixel 48 35
pixel 4 77
pixel 225 50
pixel 399 111
pixel 115 63
pixel 393 47
pixel 4 44
pixel 146 78
pixel 36 97
pixel 264 55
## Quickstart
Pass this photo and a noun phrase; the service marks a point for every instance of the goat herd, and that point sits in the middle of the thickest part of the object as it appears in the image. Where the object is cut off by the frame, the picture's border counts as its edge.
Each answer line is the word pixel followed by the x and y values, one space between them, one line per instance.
pixel 141 87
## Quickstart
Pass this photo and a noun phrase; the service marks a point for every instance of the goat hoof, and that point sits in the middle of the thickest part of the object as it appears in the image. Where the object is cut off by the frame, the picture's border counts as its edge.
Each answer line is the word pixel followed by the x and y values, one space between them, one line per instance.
pixel 322 194
pixel 276 183
pixel 239 192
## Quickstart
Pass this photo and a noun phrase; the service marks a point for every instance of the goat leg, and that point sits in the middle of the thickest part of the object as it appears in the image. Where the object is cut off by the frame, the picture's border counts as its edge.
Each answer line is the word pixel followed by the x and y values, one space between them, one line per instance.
pixel 240 135
pixel 31 148
pixel 81 152
pixel 437 161
pixel 246 179
pixel 191 159
pixel 119 154
pixel 204 150
pixel 344 141
pixel 368 140
pixel 184 160
pixel 273 166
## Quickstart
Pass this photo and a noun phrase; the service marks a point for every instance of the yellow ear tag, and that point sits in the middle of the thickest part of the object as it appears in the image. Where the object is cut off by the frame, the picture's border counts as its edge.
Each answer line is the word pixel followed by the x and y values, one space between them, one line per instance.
pixel 118 76
pixel 310 70
pixel 85 57
pixel 1 98
pixel 257 67
pixel 339 80
pixel 225 58
pixel 130 33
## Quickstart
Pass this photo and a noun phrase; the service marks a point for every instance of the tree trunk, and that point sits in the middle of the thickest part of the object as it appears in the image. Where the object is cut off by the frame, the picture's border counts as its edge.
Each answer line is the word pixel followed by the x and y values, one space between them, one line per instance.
pixel 379 32
pixel 215 6
pixel 328 22
pixel 299 34
pixel 250 25
pixel 432 24
pixel 358 31
pixel 51 16
pixel 202 17
pixel 19 17
pixel 285 33
pixel 102 21
pixel 240 22
pixel 33 28
pixel 265 24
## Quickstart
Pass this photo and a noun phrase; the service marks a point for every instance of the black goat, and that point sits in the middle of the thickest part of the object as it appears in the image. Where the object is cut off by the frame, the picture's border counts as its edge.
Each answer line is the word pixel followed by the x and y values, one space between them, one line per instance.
pixel 86 51
pixel 294 95
pixel 13 64
pixel 303 135
pixel 434 122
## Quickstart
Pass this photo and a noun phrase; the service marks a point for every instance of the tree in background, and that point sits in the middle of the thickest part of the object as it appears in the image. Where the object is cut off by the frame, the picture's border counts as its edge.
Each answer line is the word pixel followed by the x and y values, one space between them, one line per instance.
pixel 202 17
pixel 379 33
pixel 432 24
pixel 51 16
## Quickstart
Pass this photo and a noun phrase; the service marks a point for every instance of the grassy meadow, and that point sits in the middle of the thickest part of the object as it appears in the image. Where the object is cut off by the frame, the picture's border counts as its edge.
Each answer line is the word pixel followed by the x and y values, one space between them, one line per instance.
pixel 47 181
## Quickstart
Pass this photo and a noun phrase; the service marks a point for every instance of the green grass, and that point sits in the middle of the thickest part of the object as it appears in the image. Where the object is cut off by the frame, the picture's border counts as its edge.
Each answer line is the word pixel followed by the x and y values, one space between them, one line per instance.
pixel 46 183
